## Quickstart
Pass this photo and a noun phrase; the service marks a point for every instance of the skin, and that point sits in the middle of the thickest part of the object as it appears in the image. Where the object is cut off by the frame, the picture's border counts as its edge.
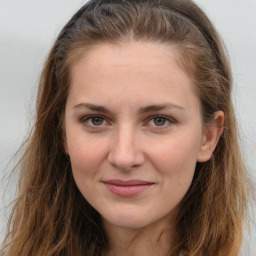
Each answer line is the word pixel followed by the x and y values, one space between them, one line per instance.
pixel 126 141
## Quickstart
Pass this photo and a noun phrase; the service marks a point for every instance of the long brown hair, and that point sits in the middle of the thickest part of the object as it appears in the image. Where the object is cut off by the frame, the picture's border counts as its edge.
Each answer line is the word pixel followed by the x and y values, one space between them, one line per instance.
pixel 50 216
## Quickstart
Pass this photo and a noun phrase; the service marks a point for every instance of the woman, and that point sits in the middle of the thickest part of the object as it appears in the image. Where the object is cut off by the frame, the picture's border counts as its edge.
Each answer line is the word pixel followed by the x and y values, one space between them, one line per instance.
pixel 134 149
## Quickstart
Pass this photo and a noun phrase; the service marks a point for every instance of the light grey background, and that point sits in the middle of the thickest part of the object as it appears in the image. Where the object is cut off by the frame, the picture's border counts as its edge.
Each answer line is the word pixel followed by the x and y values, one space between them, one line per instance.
pixel 27 31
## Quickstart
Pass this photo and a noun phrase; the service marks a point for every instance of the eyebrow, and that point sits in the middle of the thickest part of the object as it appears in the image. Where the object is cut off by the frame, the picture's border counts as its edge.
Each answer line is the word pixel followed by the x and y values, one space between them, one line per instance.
pixel 155 108
pixel 142 110
pixel 92 107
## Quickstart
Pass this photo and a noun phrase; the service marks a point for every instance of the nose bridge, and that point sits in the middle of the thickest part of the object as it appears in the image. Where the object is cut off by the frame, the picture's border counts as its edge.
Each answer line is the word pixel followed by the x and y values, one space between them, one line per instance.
pixel 124 152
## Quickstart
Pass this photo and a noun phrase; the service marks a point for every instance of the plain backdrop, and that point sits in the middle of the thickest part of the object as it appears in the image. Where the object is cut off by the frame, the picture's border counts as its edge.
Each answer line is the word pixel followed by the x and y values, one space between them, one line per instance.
pixel 27 31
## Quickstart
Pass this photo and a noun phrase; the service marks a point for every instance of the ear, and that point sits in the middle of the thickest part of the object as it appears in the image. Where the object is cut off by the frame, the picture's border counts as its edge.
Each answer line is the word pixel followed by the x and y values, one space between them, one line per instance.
pixel 211 137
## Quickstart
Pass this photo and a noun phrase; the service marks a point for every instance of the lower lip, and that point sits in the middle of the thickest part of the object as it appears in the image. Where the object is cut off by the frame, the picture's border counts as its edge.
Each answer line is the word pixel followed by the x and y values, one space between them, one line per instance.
pixel 128 191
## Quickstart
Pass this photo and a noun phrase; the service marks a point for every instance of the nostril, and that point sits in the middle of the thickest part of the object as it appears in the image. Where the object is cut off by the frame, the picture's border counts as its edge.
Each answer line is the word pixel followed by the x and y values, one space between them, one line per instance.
pixel 125 160
pixel 125 152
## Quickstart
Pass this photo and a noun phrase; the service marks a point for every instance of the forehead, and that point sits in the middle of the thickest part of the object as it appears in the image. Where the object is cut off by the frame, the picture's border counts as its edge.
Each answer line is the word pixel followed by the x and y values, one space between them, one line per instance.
pixel 135 53
pixel 144 68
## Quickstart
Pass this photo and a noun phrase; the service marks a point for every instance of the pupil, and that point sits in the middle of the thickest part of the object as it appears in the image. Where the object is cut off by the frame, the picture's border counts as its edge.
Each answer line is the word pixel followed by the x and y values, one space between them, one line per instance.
pixel 97 120
pixel 159 121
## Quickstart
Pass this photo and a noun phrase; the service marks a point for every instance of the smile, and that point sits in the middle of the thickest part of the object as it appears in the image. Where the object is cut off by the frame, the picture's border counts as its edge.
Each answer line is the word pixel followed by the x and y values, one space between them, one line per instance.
pixel 127 188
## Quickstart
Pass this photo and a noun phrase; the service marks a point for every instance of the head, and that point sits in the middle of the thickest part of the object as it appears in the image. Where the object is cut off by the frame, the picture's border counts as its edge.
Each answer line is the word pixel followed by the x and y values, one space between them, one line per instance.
pixel 182 30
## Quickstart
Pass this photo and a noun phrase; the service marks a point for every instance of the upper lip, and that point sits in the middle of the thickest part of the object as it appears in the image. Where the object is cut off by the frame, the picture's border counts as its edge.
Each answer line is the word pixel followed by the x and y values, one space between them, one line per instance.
pixel 127 182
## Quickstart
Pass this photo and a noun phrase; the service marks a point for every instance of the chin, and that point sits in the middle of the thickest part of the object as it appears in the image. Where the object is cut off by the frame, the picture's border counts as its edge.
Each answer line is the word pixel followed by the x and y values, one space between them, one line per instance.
pixel 127 223
pixel 128 219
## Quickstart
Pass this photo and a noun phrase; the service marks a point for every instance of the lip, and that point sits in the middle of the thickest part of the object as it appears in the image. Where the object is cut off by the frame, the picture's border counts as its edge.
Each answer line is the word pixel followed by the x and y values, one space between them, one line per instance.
pixel 127 188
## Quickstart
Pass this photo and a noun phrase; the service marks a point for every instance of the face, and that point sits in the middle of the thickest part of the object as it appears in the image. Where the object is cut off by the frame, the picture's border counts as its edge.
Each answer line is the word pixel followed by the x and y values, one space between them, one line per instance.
pixel 133 131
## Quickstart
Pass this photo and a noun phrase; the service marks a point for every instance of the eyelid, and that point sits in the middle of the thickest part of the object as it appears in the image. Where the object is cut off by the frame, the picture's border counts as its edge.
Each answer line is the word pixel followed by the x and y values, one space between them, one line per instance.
pixel 167 118
pixel 84 119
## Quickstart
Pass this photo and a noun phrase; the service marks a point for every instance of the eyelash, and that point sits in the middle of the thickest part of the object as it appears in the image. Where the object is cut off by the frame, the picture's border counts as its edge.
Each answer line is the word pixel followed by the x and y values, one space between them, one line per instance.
pixel 166 119
pixel 86 119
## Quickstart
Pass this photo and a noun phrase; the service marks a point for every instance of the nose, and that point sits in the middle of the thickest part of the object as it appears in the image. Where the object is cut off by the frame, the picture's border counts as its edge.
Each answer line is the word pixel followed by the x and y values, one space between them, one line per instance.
pixel 125 152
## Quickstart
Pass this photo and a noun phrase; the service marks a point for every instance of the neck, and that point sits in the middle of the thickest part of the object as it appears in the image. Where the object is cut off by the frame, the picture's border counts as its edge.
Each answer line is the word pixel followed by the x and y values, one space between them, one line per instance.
pixel 156 239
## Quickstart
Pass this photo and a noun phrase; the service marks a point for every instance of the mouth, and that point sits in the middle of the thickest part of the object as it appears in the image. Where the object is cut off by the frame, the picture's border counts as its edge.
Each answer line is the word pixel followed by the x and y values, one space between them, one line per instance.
pixel 127 188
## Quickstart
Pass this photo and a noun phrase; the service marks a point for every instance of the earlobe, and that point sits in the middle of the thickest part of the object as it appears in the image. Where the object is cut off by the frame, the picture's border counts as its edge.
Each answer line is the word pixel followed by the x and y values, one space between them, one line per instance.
pixel 211 137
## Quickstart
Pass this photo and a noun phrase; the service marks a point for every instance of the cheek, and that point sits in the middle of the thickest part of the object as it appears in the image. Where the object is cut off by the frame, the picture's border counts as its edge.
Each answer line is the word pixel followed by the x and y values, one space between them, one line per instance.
pixel 86 156
pixel 176 159
pixel 175 149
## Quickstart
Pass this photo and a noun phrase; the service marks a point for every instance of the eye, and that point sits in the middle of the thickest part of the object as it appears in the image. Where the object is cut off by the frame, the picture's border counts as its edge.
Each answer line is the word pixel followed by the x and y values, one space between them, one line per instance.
pixel 160 121
pixel 94 121
pixel 97 120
